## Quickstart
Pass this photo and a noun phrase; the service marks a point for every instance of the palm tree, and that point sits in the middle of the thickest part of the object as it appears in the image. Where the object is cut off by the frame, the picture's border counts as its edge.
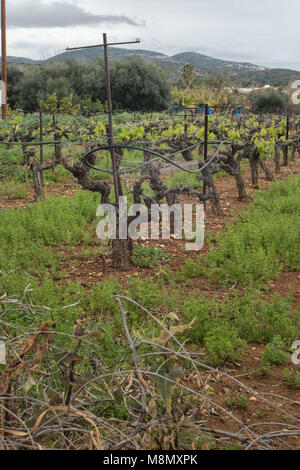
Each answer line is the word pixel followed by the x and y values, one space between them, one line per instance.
pixel 187 75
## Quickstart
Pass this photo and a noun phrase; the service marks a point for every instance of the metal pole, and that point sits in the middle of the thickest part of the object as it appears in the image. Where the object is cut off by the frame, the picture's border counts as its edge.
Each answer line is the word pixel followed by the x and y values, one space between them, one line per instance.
pixel 185 126
pixel 205 142
pixel 41 146
pixel 116 177
pixel 4 60
pixel 287 128
pixel 286 150
pixel 120 248
pixel 206 133
pixel 41 137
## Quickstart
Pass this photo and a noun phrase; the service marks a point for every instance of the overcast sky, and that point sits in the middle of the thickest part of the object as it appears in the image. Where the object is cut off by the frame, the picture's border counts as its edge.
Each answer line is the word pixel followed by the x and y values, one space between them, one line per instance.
pixel 264 32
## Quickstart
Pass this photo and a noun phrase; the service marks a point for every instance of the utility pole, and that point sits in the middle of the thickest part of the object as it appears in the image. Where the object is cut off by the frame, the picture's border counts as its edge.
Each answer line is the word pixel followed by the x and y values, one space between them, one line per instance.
pixel 3 60
pixel 120 246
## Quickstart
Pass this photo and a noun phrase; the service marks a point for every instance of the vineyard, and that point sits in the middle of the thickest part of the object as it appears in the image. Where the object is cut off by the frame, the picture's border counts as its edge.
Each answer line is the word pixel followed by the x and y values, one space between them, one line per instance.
pixel 73 144
pixel 140 344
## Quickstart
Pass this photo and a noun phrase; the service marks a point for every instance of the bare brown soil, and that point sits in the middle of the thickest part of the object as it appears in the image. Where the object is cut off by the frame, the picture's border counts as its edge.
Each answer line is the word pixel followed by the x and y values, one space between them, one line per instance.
pixel 256 410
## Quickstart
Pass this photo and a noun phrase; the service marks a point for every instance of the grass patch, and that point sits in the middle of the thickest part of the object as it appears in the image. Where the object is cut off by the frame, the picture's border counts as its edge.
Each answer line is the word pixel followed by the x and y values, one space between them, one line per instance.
pixel 263 241
pixel 28 235
pixel 13 190
pixel 274 354
pixel 291 378
pixel 147 257
pixel 181 178
pixel 32 239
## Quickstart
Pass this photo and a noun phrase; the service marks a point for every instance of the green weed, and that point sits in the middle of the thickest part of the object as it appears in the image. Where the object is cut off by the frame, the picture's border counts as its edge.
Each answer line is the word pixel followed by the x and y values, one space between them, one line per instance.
pixel 274 354
pixel 264 240
pixel 291 378
pixel 147 257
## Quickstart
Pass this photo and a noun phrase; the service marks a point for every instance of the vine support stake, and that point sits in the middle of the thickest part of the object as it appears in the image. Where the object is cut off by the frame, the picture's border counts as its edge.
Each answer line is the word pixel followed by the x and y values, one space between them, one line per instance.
pixel 287 135
pixel 41 142
pixel 116 177
pixel 3 60
pixel 205 144
pixel 120 247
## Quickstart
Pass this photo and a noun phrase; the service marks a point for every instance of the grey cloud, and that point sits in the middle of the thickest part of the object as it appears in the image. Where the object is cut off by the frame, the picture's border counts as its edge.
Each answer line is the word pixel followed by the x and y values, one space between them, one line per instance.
pixel 259 31
pixel 31 14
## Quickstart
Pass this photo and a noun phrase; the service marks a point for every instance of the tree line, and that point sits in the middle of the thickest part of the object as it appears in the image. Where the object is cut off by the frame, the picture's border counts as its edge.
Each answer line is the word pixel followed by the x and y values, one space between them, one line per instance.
pixel 136 85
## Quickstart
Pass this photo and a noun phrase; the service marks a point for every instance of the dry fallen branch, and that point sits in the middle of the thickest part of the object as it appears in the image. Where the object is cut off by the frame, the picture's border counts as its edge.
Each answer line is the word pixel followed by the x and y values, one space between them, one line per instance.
pixel 38 362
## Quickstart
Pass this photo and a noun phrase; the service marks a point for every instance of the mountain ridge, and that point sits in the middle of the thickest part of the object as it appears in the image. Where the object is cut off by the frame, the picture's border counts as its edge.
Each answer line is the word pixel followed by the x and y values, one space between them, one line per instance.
pixel 205 66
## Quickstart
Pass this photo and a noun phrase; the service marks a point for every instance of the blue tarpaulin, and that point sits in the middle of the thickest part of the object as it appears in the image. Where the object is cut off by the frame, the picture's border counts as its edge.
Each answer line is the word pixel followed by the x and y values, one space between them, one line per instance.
pixel 202 107
pixel 238 111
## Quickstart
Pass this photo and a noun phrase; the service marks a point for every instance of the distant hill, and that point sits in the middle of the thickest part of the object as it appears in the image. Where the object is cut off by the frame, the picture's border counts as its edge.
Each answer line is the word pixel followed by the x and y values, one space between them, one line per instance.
pixel 201 60
pixel 240 72
pixel 114 52
pixel 22 60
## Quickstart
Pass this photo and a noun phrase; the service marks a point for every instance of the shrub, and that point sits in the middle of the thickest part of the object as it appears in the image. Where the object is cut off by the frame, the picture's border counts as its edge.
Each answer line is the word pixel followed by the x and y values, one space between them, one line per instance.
pixel 223 344
pixel 269 101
